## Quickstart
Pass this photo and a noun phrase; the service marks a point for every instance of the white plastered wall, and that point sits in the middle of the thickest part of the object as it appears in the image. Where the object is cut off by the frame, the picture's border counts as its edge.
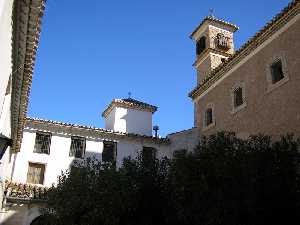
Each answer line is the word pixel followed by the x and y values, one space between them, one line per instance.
pixel 59 160
pixel 129 121
pixel 5 62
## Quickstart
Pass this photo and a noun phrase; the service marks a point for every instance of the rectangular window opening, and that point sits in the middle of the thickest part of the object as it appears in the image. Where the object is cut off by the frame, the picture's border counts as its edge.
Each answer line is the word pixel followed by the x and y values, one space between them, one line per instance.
pixel 238 97
pixel 208 116
pixel 276 71
pixel 42 143
pixel 77 148
pixel 148 155
pixel 109 153
pixel 35 174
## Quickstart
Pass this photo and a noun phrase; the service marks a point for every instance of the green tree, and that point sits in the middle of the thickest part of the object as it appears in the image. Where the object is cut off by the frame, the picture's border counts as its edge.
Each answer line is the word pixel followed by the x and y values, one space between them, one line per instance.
pixel 225 180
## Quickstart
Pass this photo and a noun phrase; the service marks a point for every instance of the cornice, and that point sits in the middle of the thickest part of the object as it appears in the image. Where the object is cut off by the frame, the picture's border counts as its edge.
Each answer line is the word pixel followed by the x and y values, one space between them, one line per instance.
pixel 206 52
pixel 216 20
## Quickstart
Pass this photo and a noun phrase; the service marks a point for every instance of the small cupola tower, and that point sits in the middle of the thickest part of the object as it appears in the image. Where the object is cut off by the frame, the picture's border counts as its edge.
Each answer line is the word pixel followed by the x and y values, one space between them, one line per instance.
pixel 214 44
pixel 129 116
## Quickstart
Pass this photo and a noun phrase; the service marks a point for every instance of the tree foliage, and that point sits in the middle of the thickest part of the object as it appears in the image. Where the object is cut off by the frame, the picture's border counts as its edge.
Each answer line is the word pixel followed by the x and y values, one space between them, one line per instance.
pixel 225 180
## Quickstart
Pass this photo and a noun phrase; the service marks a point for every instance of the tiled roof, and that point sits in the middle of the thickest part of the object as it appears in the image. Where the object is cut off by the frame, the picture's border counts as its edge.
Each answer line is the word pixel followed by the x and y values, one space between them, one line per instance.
pixel 270 28
pixel 129 103
pixel 27 192
pixel 214 19
pixel 26 25
pixel 98 131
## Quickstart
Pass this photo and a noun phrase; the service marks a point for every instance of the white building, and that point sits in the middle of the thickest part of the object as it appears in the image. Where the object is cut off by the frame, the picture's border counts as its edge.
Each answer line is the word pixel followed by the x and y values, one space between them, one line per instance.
pixel 50 147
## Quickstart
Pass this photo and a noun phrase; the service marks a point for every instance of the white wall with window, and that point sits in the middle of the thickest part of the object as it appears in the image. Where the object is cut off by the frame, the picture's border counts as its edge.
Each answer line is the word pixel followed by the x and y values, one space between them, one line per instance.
pixel 48 149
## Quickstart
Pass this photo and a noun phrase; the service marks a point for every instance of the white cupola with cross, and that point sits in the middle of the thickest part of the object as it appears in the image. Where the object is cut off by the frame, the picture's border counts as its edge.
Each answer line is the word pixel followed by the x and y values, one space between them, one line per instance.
pixel 129 116
pixel 214 44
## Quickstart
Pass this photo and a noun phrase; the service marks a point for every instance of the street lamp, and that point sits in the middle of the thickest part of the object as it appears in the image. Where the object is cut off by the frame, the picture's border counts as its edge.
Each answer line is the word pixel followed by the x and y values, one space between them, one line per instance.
pixel 4 143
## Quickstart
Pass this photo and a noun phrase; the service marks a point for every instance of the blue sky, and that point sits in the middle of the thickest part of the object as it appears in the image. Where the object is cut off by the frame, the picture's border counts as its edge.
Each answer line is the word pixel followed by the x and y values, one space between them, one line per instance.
pixel 93 51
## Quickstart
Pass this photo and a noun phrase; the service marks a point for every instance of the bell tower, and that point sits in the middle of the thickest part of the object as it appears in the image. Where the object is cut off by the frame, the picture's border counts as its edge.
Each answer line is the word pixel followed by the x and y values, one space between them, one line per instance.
pixel 214 44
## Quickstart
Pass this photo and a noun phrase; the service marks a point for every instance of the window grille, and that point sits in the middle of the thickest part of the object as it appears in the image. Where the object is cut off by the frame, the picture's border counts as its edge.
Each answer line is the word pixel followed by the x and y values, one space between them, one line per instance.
pixel 109 153
pixel 42 143
pixel 77 148
pixel 35 173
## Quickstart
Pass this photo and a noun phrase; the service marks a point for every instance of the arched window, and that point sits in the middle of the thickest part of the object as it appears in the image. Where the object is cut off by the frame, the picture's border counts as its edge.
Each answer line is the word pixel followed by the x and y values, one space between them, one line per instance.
pixel 200 45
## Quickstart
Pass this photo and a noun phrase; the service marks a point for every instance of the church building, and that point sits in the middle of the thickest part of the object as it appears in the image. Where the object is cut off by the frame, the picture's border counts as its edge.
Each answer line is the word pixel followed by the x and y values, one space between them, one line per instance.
pixel 254 89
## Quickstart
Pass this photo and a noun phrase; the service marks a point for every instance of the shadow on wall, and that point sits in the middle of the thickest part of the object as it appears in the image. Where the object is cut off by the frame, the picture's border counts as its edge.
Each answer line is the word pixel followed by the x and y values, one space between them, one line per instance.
pixel 138 122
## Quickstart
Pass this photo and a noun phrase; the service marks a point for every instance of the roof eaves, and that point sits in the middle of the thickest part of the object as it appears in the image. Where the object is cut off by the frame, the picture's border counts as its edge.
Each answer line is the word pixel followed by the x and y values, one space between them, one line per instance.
pixel 214 19
pixel 26 32
pixel 133 104
pixel 95 129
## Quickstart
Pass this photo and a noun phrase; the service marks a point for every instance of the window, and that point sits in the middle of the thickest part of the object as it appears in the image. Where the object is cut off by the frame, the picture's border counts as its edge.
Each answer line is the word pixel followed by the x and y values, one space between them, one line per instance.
pixel 238 97
pixel 35 173
pixel 276 71
pixel 222 41
pixel 200 45
pixel 148 156
pixel 42 143
pixel 77 147
pixel 208 117
pixel 109 153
